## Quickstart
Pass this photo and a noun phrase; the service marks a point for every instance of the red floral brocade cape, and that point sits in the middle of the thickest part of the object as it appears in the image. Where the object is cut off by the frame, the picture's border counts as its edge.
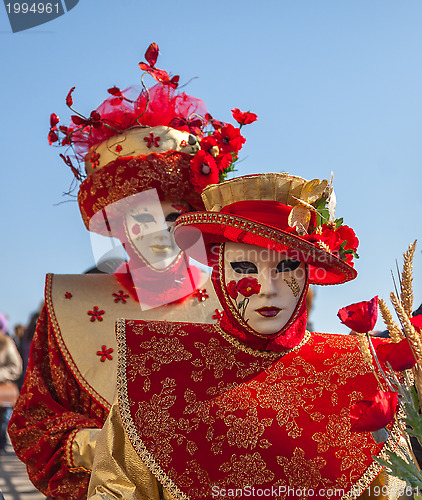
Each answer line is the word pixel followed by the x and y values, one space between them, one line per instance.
pixel 207 414
pixel 70 379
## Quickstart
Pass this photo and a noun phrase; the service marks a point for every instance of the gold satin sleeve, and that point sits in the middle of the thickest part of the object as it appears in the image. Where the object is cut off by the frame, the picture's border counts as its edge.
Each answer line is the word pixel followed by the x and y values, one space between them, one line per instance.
pixel 80 453
pixel 386 487
pixel 118 472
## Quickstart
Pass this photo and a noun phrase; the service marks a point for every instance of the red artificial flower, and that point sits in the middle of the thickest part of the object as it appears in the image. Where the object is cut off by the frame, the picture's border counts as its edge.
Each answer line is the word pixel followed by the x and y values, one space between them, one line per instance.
pixel 229 139
pixel 120 296
pixel 69 100
pixel 243 118
pixel 96 313
pixel 52 137
pixel 360 317
pixel 192 125
pixel 215 123
pixel 118 96
pixel 105 353
pixel 209 145
pixel 331 238
pixel 417 322
pixel 347 234
pixel 201 295
pixel 232 289
pixel 54 120
pixel 248 286
pixel 399 355
pixel 224 162
pixel 372 415
pixel 218 315
pixel 160 75
pixel 203 170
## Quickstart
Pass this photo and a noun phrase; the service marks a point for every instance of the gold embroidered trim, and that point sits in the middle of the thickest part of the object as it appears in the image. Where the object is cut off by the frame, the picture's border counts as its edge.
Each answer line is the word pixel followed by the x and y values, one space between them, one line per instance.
pixel 255 352
pixel 234 310
pixel 68 450
pixel 63 349
pixel 281 237
pixel 374 469
pixel 128 423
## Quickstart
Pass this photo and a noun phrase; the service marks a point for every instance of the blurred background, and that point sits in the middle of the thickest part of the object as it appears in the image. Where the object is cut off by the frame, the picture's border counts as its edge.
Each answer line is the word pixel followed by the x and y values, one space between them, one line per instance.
pixel 336 87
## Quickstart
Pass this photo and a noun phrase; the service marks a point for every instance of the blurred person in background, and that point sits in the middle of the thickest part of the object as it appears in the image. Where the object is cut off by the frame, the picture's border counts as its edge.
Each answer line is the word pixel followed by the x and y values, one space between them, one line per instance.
pixel 10 371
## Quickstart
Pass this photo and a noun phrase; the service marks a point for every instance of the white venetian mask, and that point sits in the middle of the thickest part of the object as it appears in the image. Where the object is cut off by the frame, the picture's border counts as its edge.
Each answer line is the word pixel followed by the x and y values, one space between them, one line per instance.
pixel 265 285
pixel 148 227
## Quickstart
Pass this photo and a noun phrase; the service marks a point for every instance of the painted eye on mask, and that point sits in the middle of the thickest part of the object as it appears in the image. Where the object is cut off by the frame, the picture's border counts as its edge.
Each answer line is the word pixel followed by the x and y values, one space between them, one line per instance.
pixel 144 218
pixel 287 265
pixel 244 267
pixel 172 216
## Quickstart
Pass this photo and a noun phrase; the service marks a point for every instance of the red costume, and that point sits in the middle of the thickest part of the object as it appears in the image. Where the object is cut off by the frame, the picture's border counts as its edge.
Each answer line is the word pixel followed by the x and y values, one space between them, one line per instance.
pixel 222 411
pixel 130 146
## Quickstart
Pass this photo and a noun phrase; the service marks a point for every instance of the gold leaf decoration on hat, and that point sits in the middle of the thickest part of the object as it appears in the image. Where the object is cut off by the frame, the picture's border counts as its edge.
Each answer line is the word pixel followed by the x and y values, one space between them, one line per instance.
pixel 300 215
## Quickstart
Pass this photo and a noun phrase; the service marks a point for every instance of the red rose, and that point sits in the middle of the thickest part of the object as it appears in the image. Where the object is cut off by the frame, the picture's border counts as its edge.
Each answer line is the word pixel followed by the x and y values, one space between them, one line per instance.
pixel 347 234
pixel 232 290
pixel 248 286
pixel 399 355
pixel 372 415
pixel 360 317
pixel 229 139
pixel 203 170
pixel 243 118
pixel 331 238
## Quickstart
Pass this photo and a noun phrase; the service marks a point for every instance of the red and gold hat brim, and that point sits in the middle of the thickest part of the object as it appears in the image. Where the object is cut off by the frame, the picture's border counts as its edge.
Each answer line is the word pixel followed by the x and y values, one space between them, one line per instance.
pixel 167 172
pixel 198 233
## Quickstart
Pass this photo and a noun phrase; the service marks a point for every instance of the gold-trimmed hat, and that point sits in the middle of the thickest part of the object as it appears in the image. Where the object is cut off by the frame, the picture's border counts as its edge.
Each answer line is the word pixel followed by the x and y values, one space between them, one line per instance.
pixel 278 211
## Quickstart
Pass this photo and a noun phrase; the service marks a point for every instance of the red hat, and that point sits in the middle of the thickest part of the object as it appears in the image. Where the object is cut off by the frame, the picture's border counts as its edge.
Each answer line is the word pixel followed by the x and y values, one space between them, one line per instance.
pixel 279 212
pixel 152 139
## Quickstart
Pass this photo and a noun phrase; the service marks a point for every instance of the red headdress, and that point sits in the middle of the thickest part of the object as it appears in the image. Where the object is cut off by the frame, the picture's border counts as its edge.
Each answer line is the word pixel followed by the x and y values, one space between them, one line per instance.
pixel 152 139
pixel 280 212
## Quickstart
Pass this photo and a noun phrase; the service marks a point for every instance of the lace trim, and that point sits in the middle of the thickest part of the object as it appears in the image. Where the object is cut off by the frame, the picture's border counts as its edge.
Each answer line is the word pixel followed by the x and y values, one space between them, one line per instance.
pixel 255 352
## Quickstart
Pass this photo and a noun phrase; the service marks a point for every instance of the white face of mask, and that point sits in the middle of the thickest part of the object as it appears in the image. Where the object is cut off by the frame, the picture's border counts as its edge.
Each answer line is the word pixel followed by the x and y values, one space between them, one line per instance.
pixel 148 229
pixel 281 281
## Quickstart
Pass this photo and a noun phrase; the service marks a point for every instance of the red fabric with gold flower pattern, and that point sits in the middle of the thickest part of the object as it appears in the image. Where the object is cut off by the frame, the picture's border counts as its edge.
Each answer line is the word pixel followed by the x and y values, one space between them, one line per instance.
pixel 202 411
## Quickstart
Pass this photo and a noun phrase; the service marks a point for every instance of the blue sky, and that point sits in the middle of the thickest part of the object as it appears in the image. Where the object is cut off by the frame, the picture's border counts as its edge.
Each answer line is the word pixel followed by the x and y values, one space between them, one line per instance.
pixel 336 86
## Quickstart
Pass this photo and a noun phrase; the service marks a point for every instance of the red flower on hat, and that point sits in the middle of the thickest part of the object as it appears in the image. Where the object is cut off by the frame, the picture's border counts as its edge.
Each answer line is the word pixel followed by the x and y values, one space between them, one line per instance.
pixel 399 355
pixel 232 289
pixel 151 55
pixel 224 162
pixel 248 286
pixel 215 123
pixel 229 139
pixel 243 118
pixel 342 241
pixel 52 135
pixel 69 100
pixel 373 414
pixel 360 317
pixel 209 145
pixel 203 170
